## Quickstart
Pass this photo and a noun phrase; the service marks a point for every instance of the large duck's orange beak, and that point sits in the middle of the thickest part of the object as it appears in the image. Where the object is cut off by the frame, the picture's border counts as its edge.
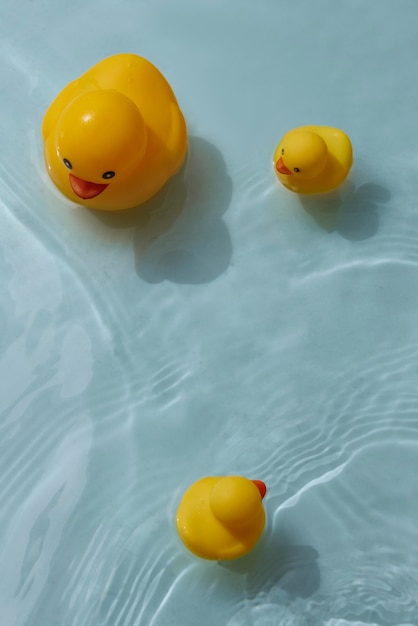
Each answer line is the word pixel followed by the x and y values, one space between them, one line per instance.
pixel 261 487
pixel 281 167
pixel 85 189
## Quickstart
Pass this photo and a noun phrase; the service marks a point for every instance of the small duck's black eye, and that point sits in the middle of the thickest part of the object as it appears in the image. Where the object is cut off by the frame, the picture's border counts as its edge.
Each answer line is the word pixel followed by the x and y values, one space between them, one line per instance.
pixel 296 169
pixel 282 150
pixel 108 175
pixel 67 164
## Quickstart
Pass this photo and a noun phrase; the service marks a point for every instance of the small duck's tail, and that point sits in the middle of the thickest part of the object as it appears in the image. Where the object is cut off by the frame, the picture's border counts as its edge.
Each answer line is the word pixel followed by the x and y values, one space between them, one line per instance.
pixel 261 487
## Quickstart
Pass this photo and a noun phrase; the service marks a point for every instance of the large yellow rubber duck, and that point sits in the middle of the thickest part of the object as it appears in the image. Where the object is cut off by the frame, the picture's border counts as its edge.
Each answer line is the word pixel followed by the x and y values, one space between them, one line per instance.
pixel 313 159
pixel 222 517
pixel 114 136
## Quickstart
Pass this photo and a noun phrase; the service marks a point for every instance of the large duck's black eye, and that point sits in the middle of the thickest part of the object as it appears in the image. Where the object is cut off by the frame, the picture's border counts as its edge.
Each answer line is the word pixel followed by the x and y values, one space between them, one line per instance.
pixel 282 151
pixel 296 169
pixel 67 164
pixel 108 174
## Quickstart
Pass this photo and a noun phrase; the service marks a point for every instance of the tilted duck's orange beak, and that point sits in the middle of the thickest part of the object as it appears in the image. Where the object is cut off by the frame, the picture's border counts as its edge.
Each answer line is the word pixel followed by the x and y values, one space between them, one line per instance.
pixel 281 167
pixel 261 487
pixel 85 189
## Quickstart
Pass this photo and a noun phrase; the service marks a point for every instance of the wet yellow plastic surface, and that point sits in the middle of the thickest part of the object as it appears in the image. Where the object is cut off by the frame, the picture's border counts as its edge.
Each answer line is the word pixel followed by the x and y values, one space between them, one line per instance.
pixel 114 136
pixel 221 517
pixel 313 159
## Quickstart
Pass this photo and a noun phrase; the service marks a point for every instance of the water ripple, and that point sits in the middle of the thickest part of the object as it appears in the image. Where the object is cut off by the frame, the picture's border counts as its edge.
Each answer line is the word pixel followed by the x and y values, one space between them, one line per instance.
pixel 39 523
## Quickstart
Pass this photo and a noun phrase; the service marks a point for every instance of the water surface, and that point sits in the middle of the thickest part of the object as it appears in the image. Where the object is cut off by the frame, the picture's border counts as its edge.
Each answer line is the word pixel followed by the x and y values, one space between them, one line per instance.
pixel 228 327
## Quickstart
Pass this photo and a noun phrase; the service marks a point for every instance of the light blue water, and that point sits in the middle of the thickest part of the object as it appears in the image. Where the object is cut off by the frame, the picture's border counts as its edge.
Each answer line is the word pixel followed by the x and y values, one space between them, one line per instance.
pixel 228 328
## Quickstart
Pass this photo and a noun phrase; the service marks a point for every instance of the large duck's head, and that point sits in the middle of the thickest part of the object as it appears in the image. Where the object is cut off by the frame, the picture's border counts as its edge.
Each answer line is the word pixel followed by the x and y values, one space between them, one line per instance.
pixel 100 139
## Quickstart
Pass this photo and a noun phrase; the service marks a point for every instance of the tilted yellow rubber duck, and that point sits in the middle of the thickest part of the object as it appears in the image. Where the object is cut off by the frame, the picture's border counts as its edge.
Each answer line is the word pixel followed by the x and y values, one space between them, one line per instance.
pixel 313 159
pixel 222 517
pixel 114 137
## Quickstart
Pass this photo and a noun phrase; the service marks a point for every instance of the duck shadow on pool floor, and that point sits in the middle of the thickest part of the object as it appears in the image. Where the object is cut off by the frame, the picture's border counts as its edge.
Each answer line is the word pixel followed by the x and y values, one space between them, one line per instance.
pixel 179 235
pixel 352 212
pixel 289 569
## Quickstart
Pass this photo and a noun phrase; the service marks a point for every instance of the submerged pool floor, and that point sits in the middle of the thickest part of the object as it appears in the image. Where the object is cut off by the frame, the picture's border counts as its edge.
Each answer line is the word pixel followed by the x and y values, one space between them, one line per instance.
pixel 227 327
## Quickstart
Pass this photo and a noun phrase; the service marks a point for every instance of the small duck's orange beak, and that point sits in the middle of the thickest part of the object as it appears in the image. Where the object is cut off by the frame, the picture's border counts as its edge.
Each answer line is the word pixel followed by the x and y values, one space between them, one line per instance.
pixel 261 487
pixel 85 189
pixel 281 167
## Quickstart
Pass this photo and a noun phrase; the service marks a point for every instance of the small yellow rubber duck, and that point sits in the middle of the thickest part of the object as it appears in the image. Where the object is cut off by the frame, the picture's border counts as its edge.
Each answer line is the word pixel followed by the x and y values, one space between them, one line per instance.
pixel 113 137
pixel 222 517
pixel 313 159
